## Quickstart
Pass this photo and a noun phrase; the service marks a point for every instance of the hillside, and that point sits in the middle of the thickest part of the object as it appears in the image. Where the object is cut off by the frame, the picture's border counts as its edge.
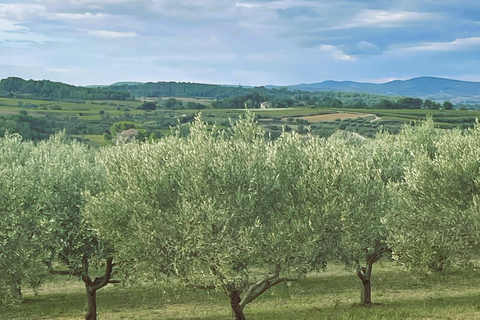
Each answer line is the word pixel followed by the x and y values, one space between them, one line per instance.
pixel 422 87
pixel 46 89
pixel 350 92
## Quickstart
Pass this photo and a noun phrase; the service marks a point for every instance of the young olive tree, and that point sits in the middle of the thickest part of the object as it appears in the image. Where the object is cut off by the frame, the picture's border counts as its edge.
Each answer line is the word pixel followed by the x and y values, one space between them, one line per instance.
pixel 347 200
pixel 41 200
pixel 63 171
pixel 434 218
pixel 356 191
pixel 21 232
pixel 208 208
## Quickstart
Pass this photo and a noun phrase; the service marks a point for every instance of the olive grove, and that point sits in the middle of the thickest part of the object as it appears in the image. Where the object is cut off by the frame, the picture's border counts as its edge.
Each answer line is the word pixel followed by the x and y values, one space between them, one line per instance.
pixel 216 208
pixel 233 211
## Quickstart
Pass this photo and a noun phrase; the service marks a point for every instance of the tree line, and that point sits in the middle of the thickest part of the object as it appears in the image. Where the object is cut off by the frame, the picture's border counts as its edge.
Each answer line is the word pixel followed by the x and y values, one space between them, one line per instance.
pixel 226 97
pixel 45 89
pixel 232 211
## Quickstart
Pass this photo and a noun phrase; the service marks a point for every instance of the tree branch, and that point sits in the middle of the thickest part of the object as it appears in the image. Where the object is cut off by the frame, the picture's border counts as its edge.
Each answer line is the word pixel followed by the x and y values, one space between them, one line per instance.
pixel 103 281
pixel 360 271
pixel 262 285
pixel 227 287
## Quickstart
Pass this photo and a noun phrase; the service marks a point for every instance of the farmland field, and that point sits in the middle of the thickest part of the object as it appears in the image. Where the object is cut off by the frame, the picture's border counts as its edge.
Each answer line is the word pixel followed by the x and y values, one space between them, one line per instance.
pixel 333 116
pixel 89 120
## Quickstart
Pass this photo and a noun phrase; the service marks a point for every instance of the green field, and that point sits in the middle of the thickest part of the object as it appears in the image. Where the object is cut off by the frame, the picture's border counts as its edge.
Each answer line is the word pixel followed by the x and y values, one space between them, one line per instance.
pixel 332 294
pixel 89 120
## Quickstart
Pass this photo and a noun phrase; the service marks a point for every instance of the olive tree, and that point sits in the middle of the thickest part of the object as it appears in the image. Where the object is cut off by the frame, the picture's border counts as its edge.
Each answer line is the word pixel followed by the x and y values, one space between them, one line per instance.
pixel 21 235
pixel 41 203
pixel 434 218
pixel 348 195
pixel 63 171
pixel 356 190
pixel 210 208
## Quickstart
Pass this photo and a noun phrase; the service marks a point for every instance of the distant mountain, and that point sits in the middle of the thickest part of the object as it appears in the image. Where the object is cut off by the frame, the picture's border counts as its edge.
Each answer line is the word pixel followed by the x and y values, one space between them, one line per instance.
pixel 423 87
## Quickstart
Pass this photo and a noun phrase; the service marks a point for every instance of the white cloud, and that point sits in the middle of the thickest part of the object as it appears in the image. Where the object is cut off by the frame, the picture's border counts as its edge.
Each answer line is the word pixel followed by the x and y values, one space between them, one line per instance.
pixel 7 25
pixel 81 2
pixel 458 45
pixel 20 11
pixel 78 16
pixel 337 53
pixel 298 40
pixel 247 5
pixel 368 17
pixel 96 1
pixel 112 34
pixel 281 4
pixel 455 45
pixel 383 18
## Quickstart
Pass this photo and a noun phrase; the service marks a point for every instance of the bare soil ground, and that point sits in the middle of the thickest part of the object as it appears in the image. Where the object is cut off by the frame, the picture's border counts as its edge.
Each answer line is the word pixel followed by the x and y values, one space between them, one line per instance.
pixel 333 116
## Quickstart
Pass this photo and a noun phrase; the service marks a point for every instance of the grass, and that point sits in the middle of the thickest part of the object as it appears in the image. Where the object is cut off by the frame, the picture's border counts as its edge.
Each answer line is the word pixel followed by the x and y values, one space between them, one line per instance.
pixel 333 294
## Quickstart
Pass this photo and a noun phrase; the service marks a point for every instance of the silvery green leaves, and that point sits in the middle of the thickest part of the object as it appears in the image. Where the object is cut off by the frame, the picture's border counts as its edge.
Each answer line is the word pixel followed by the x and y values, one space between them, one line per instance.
pixel 41 190
pixel 434 218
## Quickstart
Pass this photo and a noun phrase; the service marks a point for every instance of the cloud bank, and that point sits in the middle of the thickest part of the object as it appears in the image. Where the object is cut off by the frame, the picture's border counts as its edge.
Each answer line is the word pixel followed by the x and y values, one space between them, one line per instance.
pixel 252 42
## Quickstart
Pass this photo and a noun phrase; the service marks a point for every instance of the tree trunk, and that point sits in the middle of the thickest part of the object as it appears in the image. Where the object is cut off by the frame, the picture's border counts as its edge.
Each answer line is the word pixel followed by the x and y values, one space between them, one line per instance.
pixel 91 306
pixel 365 274
pixel 366 292
pixel 15 288
pixel 237 309
pixel 91 287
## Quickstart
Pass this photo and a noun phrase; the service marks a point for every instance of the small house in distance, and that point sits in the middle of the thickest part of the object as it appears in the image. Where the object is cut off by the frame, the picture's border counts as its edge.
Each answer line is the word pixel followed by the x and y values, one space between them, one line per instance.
pixel 265 105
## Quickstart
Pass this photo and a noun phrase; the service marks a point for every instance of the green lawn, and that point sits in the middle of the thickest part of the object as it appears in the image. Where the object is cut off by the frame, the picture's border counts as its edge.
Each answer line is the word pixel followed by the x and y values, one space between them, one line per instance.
pixel 333 294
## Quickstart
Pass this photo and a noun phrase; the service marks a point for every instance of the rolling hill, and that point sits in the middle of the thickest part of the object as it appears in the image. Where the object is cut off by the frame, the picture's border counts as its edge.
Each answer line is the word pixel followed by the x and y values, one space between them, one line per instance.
pixel 438 89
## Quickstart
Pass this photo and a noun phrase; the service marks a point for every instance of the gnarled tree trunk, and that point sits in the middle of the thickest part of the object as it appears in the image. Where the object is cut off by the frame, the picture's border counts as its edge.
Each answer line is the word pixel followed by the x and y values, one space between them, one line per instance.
pixel 91 287
pixel 254 290
pixel 365 275
pixel 91 305
pixel 237 309
pixel 366 297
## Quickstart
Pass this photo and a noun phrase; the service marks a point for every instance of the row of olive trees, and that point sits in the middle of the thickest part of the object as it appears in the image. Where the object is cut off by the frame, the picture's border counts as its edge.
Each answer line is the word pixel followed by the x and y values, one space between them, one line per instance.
pixel 233 211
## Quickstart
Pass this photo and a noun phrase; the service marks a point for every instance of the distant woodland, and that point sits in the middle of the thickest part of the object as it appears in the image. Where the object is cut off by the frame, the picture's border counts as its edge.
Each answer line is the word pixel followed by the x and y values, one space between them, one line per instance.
pixel 226 97
pixel 49 90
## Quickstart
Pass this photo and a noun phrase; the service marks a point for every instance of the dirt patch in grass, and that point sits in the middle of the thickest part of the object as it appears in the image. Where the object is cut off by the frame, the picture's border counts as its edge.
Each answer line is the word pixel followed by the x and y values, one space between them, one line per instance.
pixel 333 116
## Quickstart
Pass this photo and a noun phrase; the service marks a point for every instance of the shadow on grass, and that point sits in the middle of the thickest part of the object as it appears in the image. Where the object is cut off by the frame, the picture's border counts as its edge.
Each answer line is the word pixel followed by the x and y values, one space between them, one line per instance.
pixel 463 307
pixel 396 295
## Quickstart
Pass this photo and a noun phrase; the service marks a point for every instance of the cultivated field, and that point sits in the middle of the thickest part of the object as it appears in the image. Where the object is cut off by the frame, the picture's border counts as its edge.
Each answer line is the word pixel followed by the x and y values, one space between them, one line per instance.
pixel 88 120
pixel 333 116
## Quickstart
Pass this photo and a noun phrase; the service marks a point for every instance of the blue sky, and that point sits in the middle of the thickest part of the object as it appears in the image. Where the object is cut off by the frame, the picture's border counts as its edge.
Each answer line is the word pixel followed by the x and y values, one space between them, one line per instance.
pixel 251 42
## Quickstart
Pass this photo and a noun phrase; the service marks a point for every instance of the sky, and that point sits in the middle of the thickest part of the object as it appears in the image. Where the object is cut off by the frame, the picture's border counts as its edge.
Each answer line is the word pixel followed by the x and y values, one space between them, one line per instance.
pixel 247 42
